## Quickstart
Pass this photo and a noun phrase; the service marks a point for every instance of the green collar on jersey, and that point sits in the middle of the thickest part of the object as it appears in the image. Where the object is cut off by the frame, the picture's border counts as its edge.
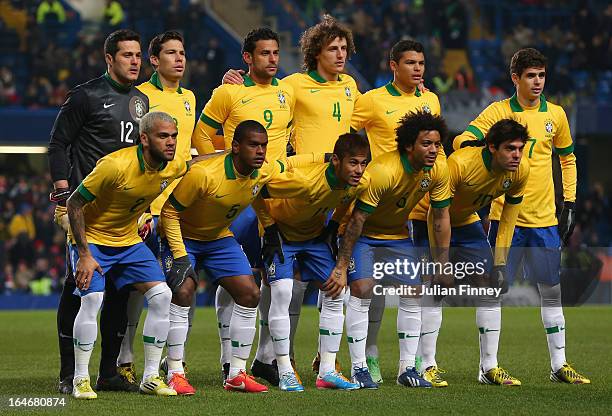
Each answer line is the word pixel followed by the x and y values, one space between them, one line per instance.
pixel 156 81
pixel 332 179
pixel 248 81
pixel 515 106
pixel 486 157
pixel 317 77
pixel 406 164
pixel 141 161
pixel 115 84
pixel 391 89
pixel 230 173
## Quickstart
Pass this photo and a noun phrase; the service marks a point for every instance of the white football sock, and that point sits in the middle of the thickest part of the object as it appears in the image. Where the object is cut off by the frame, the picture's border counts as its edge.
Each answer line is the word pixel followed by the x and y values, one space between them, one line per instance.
pixel 375 316
pixel 224 306
pixel 242 331
pixel 408 331
pixel 190 317
pixel 295 307
pixel 85 332
pixel 357 330
pixel 177 335
pixel 279 323
pixel 331 320
pixel 431 320
pixel 554 323
pixel 488 320
pixel 134 309
pixel 265 349
pixel 156 325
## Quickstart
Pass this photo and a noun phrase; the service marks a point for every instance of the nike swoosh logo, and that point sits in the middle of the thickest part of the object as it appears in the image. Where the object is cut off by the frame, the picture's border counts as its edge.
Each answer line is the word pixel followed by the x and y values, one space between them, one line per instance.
pixel 225 326
pixel 356 340
pixel 430 332
pixel 65 336
pixel 491 330
pixel 240 386
pixel 247 101
pixel 125 188
pixel 340 333
pixel 174 345
pixel 313 91
pixel 279 339
pixel 391 112
pixel 109 105
pixel 153 106
pixel 470 184
pixel 221 196
pixel 245 345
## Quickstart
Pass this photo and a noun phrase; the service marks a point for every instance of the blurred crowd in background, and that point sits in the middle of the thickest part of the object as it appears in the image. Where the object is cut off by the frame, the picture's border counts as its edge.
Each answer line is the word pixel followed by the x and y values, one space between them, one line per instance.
pixel 46 49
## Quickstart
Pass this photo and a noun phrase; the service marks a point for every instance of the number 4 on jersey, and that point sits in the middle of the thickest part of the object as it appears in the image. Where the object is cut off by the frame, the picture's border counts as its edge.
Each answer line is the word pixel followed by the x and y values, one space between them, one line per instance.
pixel 336 113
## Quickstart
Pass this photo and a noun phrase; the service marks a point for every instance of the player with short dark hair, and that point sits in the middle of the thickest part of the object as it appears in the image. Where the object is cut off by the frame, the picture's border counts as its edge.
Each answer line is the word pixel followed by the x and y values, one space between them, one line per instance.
pixel 103 213
pixel 537 227
pixel 296 237
pixel 377 227
pixel 196 221
pixel 98 118
pixel 165 92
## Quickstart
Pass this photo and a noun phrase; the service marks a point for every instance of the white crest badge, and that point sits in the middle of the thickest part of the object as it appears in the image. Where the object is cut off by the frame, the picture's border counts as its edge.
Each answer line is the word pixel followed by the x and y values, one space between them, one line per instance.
pixel 351 267
pixel 163 185
pixel 426 108
pixel 187 106
pixel 281 98
pixel 506 183
pixel 272 270
pixel 255 189
pixel 424 184
pixel 548 126
pixel 347 91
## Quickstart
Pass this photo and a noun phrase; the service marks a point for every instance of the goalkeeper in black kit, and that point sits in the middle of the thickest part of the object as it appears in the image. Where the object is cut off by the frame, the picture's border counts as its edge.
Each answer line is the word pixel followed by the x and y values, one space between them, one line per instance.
pixel 98 118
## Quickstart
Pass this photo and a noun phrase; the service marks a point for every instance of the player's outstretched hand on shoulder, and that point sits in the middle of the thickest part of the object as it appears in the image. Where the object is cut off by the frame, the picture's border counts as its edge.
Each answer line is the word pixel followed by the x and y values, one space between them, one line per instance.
pixel 179 272
pixel 335 283
pixel 272 245
pixel 85 268
pixel 233 76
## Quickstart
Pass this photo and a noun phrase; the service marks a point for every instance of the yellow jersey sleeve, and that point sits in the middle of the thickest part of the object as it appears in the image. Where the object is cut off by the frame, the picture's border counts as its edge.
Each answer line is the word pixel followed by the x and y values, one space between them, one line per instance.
pixel 215 112
pixel 440 195
pixel 479 127
pixel 103 177
pixel 379 184
pixel 564 147
pixel 363 112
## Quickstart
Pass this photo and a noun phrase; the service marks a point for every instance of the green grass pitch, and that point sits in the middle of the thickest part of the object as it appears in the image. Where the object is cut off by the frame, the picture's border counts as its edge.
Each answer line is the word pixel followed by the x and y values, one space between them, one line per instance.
pixel 30 364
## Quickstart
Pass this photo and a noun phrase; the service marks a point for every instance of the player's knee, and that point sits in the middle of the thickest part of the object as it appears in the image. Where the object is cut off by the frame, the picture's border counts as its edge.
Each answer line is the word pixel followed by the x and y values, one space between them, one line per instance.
pixel 159 295
pixel 550 295
pixel 249 299
pixel 183 296
pixel 362 288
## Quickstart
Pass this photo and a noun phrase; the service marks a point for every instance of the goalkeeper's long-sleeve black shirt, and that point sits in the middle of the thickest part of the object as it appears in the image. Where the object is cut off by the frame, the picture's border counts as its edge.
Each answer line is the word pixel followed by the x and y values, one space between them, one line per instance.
pixel 98 118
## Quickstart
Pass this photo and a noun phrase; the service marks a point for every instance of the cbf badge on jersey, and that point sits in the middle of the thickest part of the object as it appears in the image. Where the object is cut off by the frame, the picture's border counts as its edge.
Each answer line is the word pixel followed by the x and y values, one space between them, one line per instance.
pixel 187 107
pixel 549 127
pixel 349 96
pixel 282 99
pixel 137 108
pixel 426 108
pixel 424 184
pixel 506 184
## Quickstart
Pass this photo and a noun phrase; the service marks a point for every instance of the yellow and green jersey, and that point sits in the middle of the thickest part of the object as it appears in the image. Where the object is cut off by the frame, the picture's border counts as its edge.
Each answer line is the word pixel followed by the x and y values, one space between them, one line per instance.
pixel 180 103
pixel 119 190
pixel 380 110
pixel 271 105
pixel 303 218
pixel 394 190
pixel 473 184
pixel 323 110
pixel 548 129
pixel 210 197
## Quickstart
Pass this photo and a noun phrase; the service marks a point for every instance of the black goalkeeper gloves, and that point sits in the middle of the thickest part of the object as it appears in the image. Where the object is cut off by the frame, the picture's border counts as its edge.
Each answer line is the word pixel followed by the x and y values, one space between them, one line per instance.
pixel 498 278
pixel 181 269
pixel 329 236
pixel 567 221
pixel 272 245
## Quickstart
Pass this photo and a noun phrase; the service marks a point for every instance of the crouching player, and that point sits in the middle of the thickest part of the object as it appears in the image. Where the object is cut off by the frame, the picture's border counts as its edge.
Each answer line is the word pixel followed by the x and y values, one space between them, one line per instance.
pixel 103 214
pixel 196 220
pixel 477 176
pixel 398 180
pixel 296 238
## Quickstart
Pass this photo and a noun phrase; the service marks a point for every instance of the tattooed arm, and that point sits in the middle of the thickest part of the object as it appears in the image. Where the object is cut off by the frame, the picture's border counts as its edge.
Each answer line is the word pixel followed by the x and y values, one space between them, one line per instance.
pixel 86 265
pixel 337 279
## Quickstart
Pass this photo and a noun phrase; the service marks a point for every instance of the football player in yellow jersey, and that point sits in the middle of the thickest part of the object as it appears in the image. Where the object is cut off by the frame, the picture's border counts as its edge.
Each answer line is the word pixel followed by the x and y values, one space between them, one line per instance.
pixel 103 215
pixel 324 102
pixel 376 235
pixel 477 176
pixel 309 246
pixel 196 220
pixel 167 56
pixel 537 238
pixel 378 111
